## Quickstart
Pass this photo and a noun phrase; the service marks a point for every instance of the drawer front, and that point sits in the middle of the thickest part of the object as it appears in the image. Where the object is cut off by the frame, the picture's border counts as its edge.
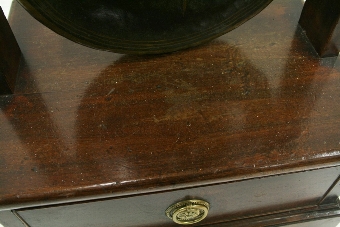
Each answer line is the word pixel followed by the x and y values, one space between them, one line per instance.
pixel 227 201
pixel 332 222
pixel 8 219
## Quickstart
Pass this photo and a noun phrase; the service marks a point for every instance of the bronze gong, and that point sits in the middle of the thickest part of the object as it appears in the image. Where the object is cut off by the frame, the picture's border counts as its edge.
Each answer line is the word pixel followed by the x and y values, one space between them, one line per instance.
pixel 142 26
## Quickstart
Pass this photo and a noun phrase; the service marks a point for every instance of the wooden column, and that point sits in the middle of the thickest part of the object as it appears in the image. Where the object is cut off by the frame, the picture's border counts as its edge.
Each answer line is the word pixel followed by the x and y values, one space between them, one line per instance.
pixel 9 57
pixel 319 18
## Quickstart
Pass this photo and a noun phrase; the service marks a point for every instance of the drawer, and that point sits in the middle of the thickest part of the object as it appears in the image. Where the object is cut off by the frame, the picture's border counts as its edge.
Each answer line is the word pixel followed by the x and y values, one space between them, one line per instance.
pixel 333 222
pixel 233 200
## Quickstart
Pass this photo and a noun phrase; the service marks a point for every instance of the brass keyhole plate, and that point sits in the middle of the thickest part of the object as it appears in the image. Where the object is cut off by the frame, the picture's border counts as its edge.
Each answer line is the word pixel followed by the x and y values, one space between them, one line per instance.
pixel 188 212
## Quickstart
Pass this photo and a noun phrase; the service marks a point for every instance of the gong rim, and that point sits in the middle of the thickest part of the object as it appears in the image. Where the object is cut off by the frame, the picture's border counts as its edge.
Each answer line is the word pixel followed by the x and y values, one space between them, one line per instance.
pixel 95 37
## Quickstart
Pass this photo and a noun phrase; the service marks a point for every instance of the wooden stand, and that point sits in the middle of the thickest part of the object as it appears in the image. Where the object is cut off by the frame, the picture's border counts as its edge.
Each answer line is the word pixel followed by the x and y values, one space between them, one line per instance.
pixel 319 19
pixel 9 57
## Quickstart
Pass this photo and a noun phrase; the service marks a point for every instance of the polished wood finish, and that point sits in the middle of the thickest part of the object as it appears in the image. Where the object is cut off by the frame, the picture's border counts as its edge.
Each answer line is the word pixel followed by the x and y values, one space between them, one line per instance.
pixel 320 18
pixel 305 217
pixel 9 57
pixel 255 104
pixel 229 203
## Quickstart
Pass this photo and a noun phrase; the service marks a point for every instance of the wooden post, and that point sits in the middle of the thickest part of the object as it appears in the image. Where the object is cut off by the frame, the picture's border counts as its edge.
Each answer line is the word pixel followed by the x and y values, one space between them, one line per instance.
pixel 319 19
pixel 9 57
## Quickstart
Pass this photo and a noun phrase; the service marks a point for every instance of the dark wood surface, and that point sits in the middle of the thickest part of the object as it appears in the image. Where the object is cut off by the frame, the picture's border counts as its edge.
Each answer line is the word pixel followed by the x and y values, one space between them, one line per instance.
pixel 9 57
pixel 311 217
pixel 320 18
pixel 257 202
pixel 91 124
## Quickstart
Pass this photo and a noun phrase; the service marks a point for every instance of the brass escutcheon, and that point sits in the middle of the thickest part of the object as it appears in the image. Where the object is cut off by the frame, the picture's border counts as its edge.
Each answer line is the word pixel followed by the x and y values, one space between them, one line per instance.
pixel 188 212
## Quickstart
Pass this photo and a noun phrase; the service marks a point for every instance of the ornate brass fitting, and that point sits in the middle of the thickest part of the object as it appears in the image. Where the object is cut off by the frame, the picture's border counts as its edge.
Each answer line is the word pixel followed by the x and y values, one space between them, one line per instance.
pixel 188 212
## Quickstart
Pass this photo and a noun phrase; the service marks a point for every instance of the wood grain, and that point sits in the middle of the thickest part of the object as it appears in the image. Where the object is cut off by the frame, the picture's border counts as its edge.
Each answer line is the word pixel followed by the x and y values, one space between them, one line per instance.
pixel 87 124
